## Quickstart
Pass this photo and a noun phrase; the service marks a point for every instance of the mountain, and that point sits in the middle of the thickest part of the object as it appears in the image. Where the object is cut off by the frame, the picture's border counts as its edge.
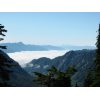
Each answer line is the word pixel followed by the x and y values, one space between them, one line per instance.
pixel 73 47
pixel 18 77
pixel 17 47
pixel 82 60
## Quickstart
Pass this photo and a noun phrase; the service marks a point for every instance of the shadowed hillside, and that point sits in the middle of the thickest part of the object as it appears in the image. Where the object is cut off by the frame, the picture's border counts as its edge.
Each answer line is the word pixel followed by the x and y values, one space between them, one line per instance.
pixel 12 74
pixel 82 60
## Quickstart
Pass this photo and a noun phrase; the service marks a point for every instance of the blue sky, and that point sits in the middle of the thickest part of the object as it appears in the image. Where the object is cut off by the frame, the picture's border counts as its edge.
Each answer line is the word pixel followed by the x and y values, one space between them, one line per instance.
pixel 51 28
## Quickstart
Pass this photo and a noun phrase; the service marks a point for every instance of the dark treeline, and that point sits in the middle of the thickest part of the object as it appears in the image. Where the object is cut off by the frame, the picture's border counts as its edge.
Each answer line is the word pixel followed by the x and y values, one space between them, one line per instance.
pixel 93 77
pixel 4 72
pixel 55 77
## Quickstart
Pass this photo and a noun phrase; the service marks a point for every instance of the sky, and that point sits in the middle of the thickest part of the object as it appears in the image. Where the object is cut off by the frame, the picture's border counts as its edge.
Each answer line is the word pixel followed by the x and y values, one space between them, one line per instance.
pixel 54 28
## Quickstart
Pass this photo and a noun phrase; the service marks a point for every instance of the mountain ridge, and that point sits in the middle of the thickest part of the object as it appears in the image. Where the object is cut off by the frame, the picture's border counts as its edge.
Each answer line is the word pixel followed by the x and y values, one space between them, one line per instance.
pixel 82 60
pixel 20 46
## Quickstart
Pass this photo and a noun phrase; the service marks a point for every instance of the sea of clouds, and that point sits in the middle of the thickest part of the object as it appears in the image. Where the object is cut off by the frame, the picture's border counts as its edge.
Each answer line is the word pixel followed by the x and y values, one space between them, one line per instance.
pixel 24 57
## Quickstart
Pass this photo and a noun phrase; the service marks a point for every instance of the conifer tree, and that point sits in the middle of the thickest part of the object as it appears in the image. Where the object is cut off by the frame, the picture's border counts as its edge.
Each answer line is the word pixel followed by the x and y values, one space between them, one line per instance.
pixel 97 61
pixel 55 77
pixel 1 33
pixel 98 51
pixel 93 76
pixel 4 71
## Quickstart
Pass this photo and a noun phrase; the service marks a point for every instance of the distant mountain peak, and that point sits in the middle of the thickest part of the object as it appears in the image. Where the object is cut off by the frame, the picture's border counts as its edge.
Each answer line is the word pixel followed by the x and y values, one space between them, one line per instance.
pixel 20 46
pixel 20 43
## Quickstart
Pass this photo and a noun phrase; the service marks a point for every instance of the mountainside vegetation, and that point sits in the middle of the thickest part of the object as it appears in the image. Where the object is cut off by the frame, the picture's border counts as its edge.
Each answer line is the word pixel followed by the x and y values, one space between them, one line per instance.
pixel 93 77
pixel 11 73
pixel 81 60
pixel 97 61
pixel 4 72
pixel 55 77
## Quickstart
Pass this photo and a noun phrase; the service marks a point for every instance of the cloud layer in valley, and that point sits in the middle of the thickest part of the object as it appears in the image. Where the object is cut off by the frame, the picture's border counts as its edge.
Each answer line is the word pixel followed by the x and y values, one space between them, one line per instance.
pixel 26 56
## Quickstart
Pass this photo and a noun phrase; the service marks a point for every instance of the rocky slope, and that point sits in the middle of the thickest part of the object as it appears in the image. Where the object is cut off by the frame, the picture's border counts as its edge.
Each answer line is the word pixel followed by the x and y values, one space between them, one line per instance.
pixel 18 77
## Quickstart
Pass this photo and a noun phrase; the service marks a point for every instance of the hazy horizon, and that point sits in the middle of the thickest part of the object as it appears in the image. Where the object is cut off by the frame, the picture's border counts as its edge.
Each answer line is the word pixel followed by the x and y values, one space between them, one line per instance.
pixel 48 44
pixel 52 28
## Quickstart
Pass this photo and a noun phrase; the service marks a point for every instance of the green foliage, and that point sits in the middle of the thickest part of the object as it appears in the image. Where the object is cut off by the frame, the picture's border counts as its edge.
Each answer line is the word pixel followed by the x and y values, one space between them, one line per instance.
pixel 97 61
pixel 1 33
pixel 90 79
pixel 93 77
pixel 71 70
pixel 5 76
pixel 4 72
pixel 55 77
pixel 98 52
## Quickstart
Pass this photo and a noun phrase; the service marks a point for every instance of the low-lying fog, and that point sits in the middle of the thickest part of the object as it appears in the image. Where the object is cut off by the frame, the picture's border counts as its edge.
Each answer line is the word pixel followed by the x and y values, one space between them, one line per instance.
pixel 26 56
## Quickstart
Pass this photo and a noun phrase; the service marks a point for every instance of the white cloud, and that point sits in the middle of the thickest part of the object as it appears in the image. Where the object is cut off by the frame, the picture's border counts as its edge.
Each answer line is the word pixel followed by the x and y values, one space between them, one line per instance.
pixel 26 56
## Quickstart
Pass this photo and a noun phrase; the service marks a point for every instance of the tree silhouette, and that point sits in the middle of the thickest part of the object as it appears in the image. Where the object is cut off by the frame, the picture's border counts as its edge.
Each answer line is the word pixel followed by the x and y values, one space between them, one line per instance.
pixel 98 52
pixel 97 61
pixel 4 66
pixel 55 77
pixel 90 78
pixel 1 33
pixel 93 77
